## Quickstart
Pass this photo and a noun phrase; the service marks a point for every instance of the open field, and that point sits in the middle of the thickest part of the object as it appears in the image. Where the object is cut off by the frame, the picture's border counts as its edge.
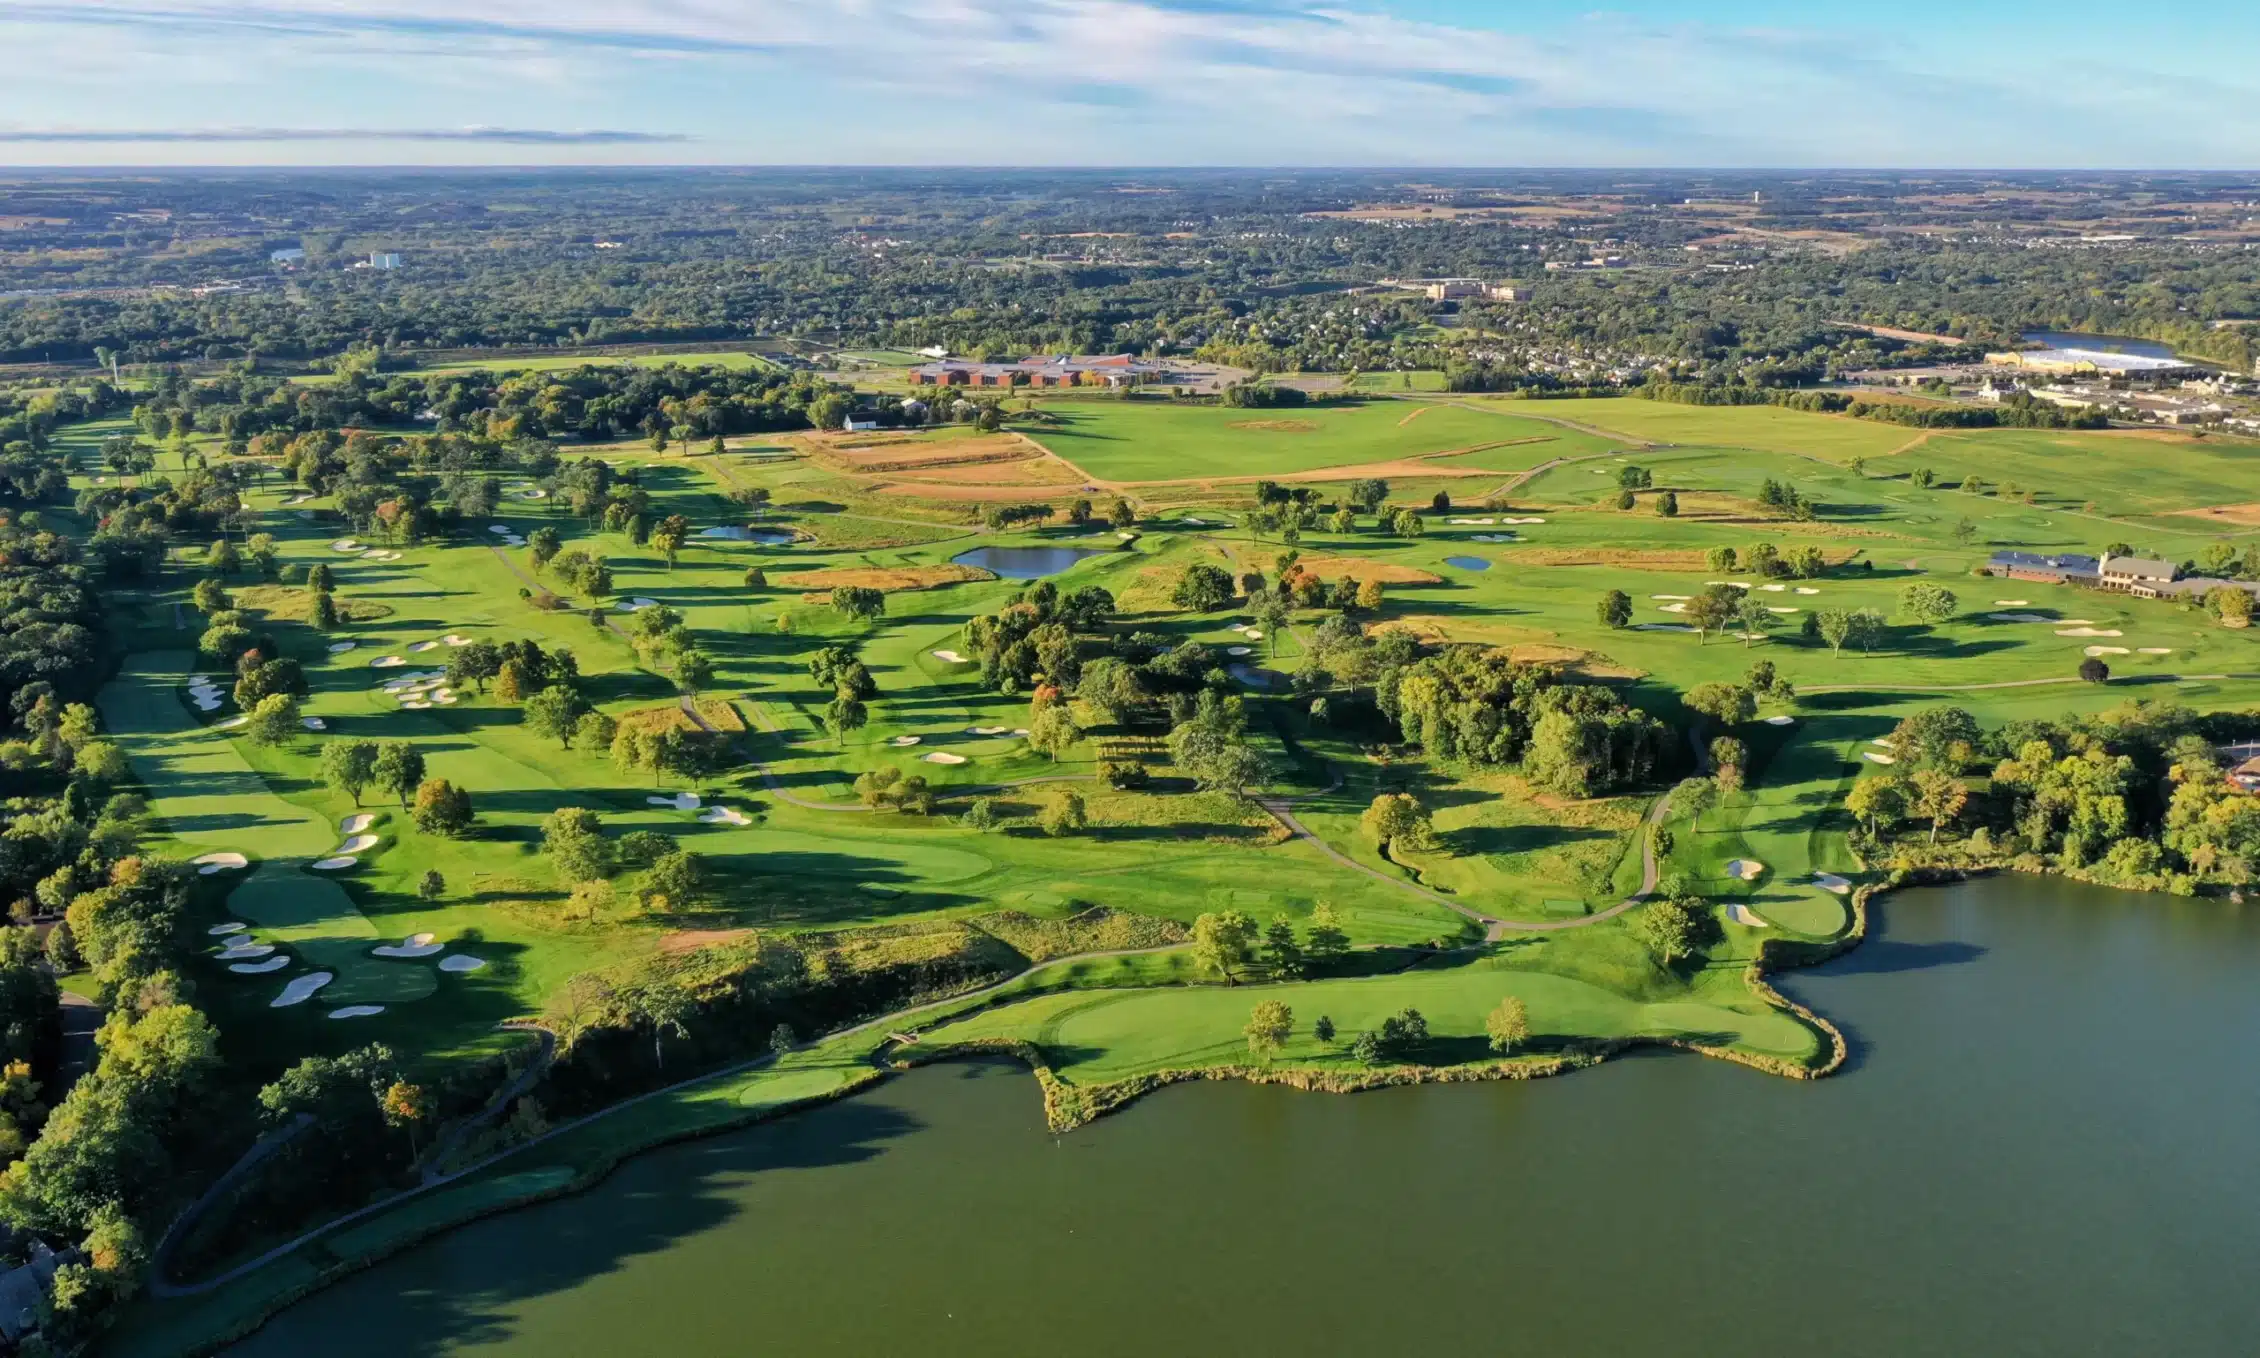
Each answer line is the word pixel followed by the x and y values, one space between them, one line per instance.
pixel 1833 438
pixel 1134 443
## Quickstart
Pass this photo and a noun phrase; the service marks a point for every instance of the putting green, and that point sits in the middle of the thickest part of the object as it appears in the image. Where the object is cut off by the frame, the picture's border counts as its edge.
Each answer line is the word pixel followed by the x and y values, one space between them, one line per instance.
pixel 205 792
pixel 1807 910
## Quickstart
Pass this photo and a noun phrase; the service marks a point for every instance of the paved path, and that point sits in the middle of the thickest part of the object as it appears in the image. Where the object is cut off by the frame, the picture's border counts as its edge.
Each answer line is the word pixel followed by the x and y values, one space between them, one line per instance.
pixel 534 1070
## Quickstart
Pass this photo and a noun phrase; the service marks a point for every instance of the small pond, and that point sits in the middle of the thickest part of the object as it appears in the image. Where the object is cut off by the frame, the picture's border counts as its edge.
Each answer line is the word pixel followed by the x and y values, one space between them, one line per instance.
pixel 767 537
pixel 1468 563
pixel 1023 563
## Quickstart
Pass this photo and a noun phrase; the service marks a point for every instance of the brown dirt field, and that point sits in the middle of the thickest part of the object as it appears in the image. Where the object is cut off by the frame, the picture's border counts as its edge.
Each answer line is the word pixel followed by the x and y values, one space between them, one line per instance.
pixel 2243 516
pixel 676 942
pixel 719 714
pixel 1277 426
pixel 891 579
pixel 1361 569
pixel 934 490
pixel 1028 471
pixel 904 454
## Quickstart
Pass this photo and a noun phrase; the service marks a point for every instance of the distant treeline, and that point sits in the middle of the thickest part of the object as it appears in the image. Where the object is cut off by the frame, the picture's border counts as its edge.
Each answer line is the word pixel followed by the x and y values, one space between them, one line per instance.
pixel 2017 412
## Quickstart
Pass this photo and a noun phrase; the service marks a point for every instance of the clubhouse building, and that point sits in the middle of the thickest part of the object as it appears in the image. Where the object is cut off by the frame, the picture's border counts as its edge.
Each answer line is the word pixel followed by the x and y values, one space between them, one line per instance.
pixel 1063 370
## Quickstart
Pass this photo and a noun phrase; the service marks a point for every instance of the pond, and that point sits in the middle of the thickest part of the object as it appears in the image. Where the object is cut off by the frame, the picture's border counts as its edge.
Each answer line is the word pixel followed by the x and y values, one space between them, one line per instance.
pixel 2045 1147
pixel 1468 563
pixel 2110 344
pixel 1024 563
pixel 766 537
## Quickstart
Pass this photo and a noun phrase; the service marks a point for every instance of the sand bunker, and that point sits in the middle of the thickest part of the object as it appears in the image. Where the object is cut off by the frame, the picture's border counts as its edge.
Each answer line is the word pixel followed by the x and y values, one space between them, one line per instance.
pixel 334 864
pixel 417 705
pixel 951 656
pixel 345 545
pixel 220 862
pixel 681 801
pixel 301 989
pixel 1237 650
pixel 1781 721
pixel 461 962
pixel 314 723
pixel 240 948
pixel 905 742
pixel 2089 632
pixel 501 529
pixel 1252 632
pixel 1745 868
pixel 1682 598
pixel 1872 757
pixel 231 927
pixel 1775 589
pixel 355 824
pixel 2093 651
pixel 2011 603
pixel 1801 589
pixel 456 639
pixel 636 605
pixel 944 757
pixel 386 662
pixel 1746 917
pixel 724 815
pixel 1672 608
pixel 425 646
pixel 2155 650
pixel 353 1011
pixel 340 648
pixel 1829 881
pixel 358 844
pixel 445 698
pixel 1884 741
pixel 419 945
pixel 260 968
pixel 1020 730
pixel 1777 608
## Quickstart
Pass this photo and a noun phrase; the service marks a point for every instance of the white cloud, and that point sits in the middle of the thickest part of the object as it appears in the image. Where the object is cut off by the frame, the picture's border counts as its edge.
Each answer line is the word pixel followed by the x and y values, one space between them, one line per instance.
pixel 1208 81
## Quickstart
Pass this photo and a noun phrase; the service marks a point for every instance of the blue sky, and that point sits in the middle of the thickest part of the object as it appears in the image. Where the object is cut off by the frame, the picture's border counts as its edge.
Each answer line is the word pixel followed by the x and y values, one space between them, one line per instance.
pixel 1925 83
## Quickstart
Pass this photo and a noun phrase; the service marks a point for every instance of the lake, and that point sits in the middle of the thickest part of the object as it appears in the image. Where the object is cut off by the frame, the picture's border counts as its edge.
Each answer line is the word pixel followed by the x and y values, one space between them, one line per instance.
pixel 2045 1146
pixel 2123 344
pixel 1023 563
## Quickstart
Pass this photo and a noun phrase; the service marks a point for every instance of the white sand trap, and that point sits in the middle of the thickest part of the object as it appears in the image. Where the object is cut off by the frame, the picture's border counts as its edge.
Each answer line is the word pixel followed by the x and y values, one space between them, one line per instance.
pixel 2093 651
pixel 456 639
pixel 1020 730
pixel 2077 622
pixel 1464 522
pixel 1801 589
pixel 461 962
pixel 301 989
pixel 1730 584
pixel 1253 634
pixel 905 742
pixel 681 801
pixel 340 648
pixel 220 862
pixel 1884 741
pixel 1237 650
pixel 231 723
pixel 1873 758
pixel 211 704
pixel 345 545
pixel 1672 608
pixel 501 529
pixel 1829 881
pixel 1777 608
pixel 1746 917
pixel 231 927
pixel 358 822
pixel 951 656
pixel 1683 598
pixel 2012 603
pixel 1775 589
pixel 1745 868
pixel 2089 632
pixel 536 494
pixel 358 844
pixel 314 723
pixel 334 864
pixel 240 948
pixel 1126 536
pixel 421 945
pixel 989 730
pixel 386 662
pixel 944 757
pixel 259 968
pixel 425 646
pixel 724 815
pixel 354 1011
pixel 1661 627
pixel 1781 721
pixel 417 705
pixel 2155 650
pixel 2018 617
pixel 444 698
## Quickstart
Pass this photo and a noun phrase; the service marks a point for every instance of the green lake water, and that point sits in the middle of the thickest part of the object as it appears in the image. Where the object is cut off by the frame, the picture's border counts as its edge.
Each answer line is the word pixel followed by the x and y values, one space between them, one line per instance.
pixel 2049 1144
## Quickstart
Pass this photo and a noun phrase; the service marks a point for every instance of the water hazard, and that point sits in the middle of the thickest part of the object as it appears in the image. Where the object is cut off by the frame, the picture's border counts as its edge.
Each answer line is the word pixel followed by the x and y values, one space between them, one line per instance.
pixel 1023 563
pixel 2046 1146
